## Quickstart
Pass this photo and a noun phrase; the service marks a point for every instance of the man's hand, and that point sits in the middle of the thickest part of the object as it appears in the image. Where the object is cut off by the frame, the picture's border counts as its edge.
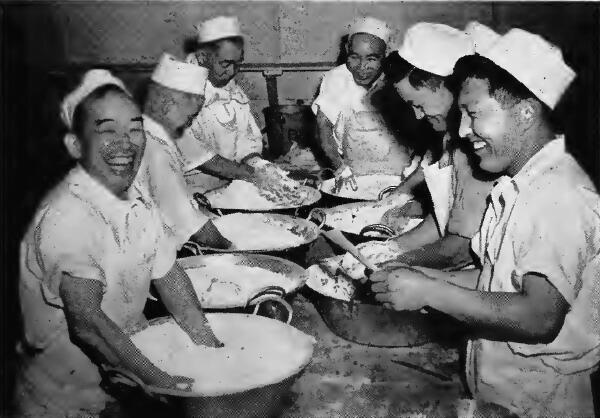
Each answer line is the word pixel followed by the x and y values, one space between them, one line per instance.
pixel 345 178
pixel 402 289
pixel 209 236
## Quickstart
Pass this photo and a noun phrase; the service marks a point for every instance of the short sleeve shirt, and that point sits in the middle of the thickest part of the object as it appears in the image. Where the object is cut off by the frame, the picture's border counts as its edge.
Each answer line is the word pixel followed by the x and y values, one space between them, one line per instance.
pixel 543 221
pixel 85 231
pixel 226 125
pixel 162 174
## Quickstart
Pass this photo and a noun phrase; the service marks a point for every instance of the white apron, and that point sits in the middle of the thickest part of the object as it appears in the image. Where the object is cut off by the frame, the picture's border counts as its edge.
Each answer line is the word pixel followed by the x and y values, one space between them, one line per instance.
pixel 369 147
pixel 439 184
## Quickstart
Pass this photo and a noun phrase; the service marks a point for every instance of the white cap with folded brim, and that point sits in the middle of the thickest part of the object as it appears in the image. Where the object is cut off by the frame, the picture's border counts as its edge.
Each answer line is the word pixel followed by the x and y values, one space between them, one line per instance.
pixel 481 36
pixel 92 80
pixel 181 76
pixel 371 26
pixel 536 63
pixel 435 47
pixel 220 27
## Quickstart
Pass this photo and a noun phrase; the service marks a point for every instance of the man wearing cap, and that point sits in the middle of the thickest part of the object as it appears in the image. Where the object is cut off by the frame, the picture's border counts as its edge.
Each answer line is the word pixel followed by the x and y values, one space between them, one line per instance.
pixel 225 127
pixel 352 134
pixel 175 96
pixel 95 245
pixel 457 189
pixel 442 240
pixel 533 305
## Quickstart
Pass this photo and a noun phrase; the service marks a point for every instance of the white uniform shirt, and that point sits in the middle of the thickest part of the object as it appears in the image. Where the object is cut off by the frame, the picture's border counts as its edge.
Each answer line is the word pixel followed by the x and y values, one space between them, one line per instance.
pixel 359 130
pixel 225 125
pixel 546 221
pixel 162 174
pixel 83 230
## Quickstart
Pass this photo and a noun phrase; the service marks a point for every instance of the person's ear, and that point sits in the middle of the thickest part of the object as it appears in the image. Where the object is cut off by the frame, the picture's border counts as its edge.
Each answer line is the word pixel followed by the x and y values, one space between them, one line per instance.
pixel 528 111
pixel 203 56
pixel 73 145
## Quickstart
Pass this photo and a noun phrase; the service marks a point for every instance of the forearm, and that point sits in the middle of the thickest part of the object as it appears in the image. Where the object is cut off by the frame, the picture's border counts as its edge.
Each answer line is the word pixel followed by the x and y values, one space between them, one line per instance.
pixel 449 251
pixel 327 141
pixel 179 297
pixel 497 316
pixel 411 182
pixel 425 233
pixel 224 168
pixel 106 343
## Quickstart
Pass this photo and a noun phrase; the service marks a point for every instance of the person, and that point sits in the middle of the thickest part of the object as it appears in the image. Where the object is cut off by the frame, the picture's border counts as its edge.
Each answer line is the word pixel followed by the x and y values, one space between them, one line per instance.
pixel 174 97
pixel 352 134
pixel 532 305
pixel 225 127
pixel 95 245
pixel 458 192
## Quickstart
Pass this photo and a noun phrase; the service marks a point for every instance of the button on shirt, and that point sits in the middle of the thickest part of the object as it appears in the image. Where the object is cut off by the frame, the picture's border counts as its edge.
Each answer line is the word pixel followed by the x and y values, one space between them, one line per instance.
pixel 225 125
pixel 545 221
pixel 162 174
pixel 359 130
pixel 85 231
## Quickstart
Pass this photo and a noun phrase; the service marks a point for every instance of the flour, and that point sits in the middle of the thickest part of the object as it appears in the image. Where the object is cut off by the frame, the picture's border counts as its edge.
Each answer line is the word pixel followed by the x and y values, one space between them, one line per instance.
pixel 279 194
pixel 220 283
pixel 257 352
pixel 250 232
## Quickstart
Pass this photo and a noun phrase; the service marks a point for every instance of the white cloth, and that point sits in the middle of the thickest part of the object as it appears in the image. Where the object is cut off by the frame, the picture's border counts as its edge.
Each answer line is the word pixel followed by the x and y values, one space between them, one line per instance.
pixel 546 221
pixel 435 47
pixel 220 27
pixel 225 125
pixel 92 80
pixel 162 174
pixel 362 137
pixel 179 75
pixel 371 26
pixel 533 61
pixel 439 184
pixel 83 230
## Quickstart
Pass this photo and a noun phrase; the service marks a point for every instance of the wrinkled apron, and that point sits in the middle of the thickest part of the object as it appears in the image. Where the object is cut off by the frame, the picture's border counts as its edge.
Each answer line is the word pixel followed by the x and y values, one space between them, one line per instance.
pixel 369 147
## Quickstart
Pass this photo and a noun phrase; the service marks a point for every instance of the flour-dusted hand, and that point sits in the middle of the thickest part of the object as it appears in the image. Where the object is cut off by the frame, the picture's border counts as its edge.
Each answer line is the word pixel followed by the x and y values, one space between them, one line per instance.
pixel 344 178
pixel 402 288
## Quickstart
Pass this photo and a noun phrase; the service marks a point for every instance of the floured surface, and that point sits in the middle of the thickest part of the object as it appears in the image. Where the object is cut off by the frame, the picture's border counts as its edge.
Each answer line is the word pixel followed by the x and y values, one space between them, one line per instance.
pixel 335 276
pixel 243 195
pixel 224 281
pixel 369 186
pixel 254 232
pixel 257 352
pixel 353 217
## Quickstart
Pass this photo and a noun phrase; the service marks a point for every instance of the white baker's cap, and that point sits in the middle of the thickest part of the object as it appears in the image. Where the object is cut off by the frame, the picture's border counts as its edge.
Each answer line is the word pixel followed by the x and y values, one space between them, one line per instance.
pixel 178 75
pixel 435 47
pixel 481 36
pixel 536 63
pixel 371 26
pixel 220 27
pixel 90 82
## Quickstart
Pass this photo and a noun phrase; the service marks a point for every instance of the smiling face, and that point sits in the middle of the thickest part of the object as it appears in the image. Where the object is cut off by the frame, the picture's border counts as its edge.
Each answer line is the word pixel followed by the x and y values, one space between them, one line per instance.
pixel 223 61
pixel 112 140
pixel 429 103
pixel 365 57
pixel 493 129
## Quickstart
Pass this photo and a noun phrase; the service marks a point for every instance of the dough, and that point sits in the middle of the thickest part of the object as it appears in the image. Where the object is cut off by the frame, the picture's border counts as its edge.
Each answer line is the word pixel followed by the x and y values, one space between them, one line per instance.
pixel 250 232
pixel 280 194
pixel 220 283
pixel 258 351
pixel 369 186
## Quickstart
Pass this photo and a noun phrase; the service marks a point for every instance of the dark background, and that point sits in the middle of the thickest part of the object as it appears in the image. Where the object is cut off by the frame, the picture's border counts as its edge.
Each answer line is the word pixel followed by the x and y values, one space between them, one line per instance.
pixel 33 158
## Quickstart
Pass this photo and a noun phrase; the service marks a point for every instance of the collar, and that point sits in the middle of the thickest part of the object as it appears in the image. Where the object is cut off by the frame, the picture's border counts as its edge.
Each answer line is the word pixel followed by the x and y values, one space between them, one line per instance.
pixel 506 189
pixel 230 92
pixel 88 188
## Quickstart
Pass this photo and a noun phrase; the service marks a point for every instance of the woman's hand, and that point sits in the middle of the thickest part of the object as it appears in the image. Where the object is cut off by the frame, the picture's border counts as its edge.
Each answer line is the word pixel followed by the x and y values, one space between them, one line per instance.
pixel 345 178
